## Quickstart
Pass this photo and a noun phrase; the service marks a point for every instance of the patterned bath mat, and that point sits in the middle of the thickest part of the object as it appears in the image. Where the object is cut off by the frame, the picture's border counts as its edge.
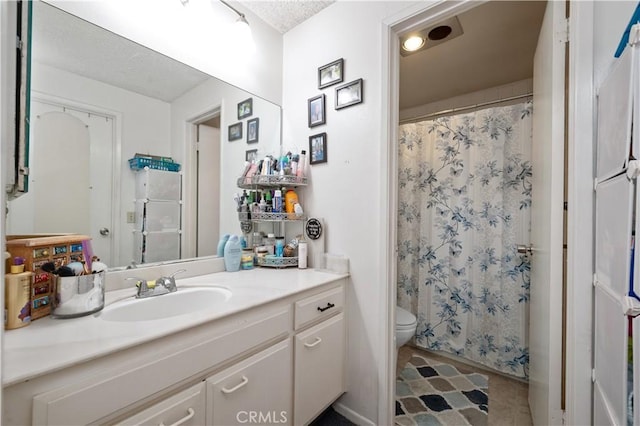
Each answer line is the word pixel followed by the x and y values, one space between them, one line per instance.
pixel 430 392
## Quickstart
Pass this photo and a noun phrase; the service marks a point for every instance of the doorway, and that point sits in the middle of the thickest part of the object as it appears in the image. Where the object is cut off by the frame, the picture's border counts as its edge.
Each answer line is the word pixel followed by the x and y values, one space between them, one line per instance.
pixel 207 133
pixel 71 153
pixel 403 26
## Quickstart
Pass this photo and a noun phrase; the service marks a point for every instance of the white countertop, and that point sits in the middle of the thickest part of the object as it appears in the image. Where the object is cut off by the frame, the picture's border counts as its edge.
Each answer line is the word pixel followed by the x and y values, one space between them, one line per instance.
pixel 49 344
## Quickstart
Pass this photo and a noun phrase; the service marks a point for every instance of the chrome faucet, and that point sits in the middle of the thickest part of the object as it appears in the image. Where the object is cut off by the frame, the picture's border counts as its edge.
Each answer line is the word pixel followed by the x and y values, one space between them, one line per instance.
pixel 163 285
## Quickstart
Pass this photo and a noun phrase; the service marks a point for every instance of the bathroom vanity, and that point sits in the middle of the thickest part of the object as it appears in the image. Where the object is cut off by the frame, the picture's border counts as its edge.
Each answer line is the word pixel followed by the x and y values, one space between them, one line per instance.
pixel 269 350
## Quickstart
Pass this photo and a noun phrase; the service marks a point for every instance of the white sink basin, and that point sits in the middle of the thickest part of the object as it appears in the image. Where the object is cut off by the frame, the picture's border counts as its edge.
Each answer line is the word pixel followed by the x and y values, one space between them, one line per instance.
pixel 182 302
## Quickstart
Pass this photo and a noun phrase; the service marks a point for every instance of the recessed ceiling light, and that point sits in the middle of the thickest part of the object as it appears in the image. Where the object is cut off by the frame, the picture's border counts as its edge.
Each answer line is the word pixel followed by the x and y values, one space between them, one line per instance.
pixel 413 43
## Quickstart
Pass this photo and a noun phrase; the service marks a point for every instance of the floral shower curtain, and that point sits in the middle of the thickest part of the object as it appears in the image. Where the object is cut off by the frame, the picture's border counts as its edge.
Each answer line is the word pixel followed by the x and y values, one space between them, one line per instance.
pixel 464 206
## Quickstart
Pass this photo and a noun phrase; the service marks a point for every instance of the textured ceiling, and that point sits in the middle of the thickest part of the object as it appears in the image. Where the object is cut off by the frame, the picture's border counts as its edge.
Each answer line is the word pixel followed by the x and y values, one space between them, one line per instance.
pixel 285 14
pixel 496 48
pixel 63 41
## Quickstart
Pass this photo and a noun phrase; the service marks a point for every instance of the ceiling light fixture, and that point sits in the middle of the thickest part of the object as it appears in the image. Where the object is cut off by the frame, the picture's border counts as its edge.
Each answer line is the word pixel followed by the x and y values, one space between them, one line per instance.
pixel 413 43
pixel 426 38
pixel 244 38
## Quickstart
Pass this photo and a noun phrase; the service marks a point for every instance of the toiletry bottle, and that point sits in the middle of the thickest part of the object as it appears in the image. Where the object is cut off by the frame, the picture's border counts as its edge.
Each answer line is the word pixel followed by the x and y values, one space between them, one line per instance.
pixel 277 201
pixel 269 202
pixel 279 246
pixel 290 200
pixel 302 254
pixel 301 164
pixel 294 165
pixel 232 254
pixel 270 243
pixel 262 205
pixel 17 300
pixel 221 244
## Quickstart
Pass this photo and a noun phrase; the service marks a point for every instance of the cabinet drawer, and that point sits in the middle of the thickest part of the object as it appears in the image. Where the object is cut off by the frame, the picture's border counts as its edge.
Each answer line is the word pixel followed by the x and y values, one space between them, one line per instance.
pixel 185 408
pixel 319 368
pixel 321 305
pixel 256 390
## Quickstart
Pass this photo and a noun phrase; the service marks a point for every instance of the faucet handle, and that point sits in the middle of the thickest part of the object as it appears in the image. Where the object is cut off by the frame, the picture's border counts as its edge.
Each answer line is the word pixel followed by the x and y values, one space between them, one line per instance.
pixel 179 271
pixel 170 282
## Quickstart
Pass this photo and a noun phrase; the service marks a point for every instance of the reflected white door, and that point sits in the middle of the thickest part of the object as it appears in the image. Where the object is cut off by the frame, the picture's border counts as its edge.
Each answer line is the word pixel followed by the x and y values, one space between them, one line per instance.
pixel 545 330
pixel 208 220
pixel 70 177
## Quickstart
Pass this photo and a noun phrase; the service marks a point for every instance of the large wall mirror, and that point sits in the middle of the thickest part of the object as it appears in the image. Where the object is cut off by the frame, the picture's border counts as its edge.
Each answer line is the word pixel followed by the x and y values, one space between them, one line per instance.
pixel 97 99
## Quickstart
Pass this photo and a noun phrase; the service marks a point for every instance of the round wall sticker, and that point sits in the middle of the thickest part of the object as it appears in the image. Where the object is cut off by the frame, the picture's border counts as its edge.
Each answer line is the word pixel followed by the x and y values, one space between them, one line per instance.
pixel 313 228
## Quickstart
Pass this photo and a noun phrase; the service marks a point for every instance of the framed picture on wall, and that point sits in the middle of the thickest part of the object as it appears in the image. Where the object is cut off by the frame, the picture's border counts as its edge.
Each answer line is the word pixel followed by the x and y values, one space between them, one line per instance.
pixel 349 94
pixel 316 111
pixel 235 132
pixel 251 155
pixel 331 74
pixel 318 148
pixel 253 128
pixel 245 108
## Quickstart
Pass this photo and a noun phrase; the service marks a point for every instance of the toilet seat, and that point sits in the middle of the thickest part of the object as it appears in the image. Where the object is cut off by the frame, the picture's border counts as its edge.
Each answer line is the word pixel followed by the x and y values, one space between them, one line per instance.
pixel 404 319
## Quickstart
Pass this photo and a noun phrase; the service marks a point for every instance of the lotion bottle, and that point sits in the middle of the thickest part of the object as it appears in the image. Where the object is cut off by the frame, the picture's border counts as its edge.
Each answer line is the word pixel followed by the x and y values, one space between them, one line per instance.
pixel 221 244
pixel 301 164
pixel 232 254
pixel 302 254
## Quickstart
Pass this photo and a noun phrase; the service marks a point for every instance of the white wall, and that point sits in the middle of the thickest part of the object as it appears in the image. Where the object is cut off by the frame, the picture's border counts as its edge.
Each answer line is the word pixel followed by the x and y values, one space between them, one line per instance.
pixel 611 19
pixel 187 108
pixel 144 128
pixel 197 34
pixel 491 94
pixel 345 191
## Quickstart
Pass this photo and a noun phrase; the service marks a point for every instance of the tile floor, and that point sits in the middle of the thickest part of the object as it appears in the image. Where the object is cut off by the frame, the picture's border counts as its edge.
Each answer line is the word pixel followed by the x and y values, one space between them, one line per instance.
pixel 507 397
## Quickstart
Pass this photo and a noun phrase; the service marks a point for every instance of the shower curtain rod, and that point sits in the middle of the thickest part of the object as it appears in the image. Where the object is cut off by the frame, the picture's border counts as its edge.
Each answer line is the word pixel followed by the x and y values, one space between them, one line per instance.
pixel 452 110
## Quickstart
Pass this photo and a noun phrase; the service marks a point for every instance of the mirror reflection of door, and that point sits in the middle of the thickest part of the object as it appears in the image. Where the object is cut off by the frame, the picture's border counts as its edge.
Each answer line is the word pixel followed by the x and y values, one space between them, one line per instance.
pixel 208 218
pixel 71 152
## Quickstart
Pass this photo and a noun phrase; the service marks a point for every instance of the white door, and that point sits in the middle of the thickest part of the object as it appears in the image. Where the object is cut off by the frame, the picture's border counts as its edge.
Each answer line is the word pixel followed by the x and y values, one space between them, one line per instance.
pixel 70 177
pixel 208 219
pixel 545 330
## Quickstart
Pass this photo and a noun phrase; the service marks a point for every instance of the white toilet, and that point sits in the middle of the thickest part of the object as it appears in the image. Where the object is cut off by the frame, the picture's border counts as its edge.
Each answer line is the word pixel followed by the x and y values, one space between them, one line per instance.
pixel 406 324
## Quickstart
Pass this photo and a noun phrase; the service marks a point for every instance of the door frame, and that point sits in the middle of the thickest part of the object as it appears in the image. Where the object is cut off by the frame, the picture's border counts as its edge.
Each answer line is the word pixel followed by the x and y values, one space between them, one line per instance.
pixel 190 177
pixel 580 192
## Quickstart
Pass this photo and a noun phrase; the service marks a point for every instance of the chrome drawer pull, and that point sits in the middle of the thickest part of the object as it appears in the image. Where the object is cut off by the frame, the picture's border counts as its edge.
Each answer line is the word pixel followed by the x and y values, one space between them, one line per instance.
pixel 329 306
pixel 317 342
pixel 236 387
pixel 190 413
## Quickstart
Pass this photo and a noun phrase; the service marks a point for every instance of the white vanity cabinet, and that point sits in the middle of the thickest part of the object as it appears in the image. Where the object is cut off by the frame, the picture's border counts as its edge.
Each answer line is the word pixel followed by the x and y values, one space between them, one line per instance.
pixel 257 390
pixel 319 354
pixel 281 362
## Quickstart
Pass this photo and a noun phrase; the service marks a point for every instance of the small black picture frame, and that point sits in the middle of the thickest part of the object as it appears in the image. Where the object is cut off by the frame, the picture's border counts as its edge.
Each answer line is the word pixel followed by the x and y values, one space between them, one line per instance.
pixel 253 129
pixel 316 111
pixel 350 94
pixel 318 148
pixel 235 132
pixel 251 155
pixel 245 108
pixel 331 74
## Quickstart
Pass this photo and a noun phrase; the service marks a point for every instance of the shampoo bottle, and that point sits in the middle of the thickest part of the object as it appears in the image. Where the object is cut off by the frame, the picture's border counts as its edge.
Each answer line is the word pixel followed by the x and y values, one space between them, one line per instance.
pixel 221 244
pixel 301 164
pixel 232 254
pixel 302 254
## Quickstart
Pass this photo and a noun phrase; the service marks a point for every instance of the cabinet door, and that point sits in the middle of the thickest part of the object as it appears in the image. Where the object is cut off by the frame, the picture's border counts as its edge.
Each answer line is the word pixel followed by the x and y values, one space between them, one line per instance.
pixel 185 408
pixel 319 368
pixel 255 391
